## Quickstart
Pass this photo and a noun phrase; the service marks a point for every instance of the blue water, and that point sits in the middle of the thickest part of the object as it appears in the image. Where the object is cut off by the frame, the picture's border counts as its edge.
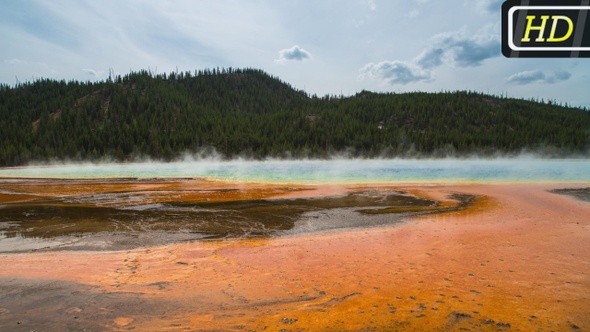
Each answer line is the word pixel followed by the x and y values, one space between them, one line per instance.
pixel 331 171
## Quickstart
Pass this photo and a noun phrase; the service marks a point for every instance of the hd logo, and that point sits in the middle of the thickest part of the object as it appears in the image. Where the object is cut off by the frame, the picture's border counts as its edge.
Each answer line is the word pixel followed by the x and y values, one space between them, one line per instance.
pixel 537 28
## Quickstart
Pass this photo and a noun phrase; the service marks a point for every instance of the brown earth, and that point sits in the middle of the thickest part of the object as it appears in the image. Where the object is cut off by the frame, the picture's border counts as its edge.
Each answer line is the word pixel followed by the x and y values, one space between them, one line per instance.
pixel 518 259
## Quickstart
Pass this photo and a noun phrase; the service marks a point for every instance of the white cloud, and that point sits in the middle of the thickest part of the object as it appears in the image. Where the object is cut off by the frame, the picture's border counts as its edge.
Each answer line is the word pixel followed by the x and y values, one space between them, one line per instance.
pixel 412 13
pixel 98 74
pixel 526 77
pixel 372 5
pixel 456 50
pixel 430 58
pixel 562 75
pixel 463 50
pixel 487 6
pixel 294 53
pixel 415 12
pixel 395 72
pixel 537 76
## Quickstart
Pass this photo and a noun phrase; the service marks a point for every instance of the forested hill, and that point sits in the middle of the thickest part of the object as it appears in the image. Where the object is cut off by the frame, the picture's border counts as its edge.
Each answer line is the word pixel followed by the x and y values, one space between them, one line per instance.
pixel 250 114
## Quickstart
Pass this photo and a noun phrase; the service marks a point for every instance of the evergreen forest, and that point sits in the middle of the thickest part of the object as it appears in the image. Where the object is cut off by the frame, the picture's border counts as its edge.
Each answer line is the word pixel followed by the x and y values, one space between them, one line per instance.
pixel 250 114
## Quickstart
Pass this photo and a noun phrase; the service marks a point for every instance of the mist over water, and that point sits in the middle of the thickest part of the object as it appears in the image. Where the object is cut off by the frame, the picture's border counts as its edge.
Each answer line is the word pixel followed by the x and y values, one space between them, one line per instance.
pixel 327 171
pixel 127 214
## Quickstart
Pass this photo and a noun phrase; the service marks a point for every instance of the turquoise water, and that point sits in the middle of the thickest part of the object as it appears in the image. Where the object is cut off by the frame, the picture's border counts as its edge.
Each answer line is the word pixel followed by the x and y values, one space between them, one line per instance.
pixel 89 222
pixel 330 171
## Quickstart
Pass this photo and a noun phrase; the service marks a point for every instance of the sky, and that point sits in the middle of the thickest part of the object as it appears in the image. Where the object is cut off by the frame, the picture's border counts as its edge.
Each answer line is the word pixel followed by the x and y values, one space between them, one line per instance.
pixel 335 47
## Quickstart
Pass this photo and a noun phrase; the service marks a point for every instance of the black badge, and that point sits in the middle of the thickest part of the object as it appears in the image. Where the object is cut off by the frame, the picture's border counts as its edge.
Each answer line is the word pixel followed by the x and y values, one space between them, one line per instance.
pixel 546 29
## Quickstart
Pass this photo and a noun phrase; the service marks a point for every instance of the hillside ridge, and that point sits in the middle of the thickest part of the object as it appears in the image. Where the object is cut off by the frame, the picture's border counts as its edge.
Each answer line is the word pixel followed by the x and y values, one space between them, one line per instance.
pixel 251 114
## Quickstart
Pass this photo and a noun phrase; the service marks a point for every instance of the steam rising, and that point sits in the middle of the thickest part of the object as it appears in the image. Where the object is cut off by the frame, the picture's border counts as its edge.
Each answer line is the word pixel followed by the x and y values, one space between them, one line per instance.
pixel 338 169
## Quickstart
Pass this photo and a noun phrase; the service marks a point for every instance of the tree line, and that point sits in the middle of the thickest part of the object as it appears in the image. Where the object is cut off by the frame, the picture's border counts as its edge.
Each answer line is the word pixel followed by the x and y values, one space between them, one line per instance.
pixel 250 114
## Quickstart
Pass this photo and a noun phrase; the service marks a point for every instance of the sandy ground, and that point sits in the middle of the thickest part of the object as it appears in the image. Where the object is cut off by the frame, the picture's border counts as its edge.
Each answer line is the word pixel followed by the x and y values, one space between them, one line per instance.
pixel 518 260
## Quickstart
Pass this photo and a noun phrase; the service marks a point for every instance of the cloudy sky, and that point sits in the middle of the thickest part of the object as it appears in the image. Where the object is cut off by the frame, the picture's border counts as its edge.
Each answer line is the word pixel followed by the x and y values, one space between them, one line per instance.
pixel 321 46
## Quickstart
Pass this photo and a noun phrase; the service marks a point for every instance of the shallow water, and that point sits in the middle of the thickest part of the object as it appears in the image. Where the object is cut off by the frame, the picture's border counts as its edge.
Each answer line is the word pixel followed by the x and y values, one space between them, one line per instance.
pixel 85 214
pixel 113 206
pixel 329 171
